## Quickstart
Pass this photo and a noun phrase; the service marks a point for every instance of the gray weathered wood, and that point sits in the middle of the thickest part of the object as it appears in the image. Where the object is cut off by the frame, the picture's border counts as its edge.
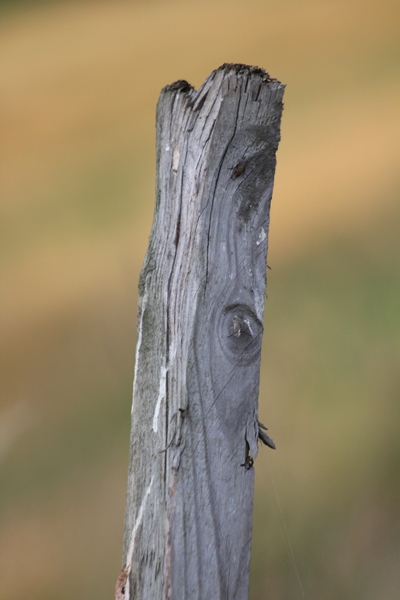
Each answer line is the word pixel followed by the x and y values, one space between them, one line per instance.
pixel 201 300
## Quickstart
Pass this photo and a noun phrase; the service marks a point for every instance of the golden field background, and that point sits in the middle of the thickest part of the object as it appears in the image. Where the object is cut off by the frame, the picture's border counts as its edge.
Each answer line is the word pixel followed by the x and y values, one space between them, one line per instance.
pixel 79 85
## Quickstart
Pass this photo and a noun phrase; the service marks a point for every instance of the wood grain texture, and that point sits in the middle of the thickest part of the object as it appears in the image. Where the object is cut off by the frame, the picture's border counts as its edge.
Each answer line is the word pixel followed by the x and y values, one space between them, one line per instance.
pixel 201 300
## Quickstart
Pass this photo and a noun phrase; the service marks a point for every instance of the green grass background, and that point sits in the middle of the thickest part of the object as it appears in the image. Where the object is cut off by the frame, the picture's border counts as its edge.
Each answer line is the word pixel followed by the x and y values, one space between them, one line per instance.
pixel 79 87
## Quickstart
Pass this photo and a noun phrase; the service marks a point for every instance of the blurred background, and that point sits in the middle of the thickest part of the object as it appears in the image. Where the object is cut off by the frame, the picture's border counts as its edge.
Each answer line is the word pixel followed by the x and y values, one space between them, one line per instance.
pixel 79 86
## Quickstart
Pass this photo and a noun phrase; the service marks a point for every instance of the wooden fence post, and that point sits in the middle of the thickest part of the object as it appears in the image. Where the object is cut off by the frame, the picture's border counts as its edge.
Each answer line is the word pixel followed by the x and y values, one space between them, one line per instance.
pixel 195 427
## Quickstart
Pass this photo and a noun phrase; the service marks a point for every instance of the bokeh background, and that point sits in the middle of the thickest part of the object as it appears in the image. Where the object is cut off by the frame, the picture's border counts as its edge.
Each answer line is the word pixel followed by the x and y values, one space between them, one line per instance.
pixel 79 85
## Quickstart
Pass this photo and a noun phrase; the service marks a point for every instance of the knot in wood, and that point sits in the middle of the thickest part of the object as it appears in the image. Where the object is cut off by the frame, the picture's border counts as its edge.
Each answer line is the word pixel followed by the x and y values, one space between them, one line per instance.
pixel 241 326
pixel 240 334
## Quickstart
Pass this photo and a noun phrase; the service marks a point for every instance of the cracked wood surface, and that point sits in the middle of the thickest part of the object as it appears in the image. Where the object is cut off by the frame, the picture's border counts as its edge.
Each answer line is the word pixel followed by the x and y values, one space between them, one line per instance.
pixel 201 300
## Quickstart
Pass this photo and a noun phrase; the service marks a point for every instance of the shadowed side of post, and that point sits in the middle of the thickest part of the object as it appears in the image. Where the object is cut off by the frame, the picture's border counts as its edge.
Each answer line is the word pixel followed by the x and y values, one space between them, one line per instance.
pixel 195 425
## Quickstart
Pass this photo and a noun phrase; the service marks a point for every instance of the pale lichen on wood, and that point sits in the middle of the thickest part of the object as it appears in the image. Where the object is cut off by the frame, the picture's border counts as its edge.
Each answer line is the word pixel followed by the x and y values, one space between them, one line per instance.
pixel 201 300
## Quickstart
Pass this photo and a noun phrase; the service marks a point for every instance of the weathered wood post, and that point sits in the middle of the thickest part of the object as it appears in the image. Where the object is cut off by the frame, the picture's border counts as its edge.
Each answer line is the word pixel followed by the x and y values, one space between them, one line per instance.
pixel 195 429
